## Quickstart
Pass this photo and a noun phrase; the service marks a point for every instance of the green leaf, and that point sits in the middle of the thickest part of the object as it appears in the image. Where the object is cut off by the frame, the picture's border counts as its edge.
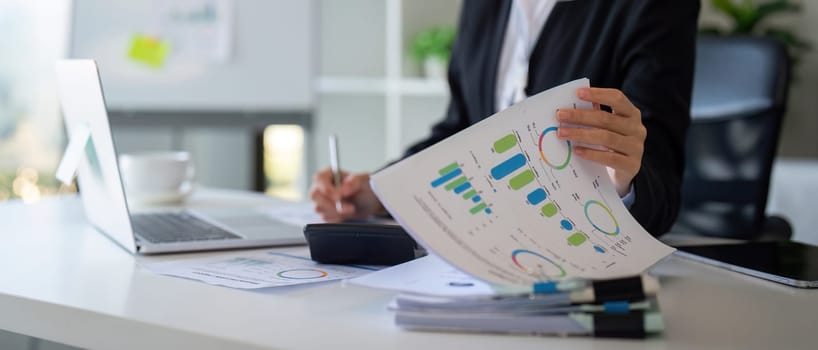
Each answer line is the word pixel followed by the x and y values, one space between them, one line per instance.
pixel 788 37
pixel 767 9
pixel 433 42
pixel 727 7
pixel 747 18
pixel 747 15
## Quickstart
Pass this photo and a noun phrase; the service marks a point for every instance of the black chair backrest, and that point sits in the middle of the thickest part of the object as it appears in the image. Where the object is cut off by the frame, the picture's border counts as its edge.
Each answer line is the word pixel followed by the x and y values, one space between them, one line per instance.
pixel 739 100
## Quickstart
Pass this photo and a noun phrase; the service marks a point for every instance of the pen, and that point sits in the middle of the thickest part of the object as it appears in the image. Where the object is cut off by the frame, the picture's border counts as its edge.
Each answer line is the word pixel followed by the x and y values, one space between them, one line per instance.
pixel 335 165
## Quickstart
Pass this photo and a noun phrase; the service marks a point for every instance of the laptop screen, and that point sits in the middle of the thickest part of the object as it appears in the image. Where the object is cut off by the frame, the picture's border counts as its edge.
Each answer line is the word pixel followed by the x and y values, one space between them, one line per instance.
pixel 83 106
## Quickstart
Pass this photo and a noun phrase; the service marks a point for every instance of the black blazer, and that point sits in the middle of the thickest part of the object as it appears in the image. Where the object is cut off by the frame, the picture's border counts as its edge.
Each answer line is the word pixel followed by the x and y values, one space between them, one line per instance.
pixel 646 48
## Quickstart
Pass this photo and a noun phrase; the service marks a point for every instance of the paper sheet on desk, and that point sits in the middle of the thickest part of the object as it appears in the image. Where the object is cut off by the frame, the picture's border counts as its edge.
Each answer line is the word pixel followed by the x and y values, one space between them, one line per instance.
pixel 256 270
pixel 428 275
pixel 298 214
pixel 507 202
pixel 301 214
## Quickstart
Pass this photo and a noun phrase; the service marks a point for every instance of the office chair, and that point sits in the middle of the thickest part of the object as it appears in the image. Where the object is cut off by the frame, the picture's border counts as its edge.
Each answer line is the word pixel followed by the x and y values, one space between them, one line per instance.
pixel 739 100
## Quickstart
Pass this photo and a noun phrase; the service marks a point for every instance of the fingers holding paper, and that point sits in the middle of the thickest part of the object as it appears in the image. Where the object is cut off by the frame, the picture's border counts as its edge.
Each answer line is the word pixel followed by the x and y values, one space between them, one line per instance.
pixel 620 133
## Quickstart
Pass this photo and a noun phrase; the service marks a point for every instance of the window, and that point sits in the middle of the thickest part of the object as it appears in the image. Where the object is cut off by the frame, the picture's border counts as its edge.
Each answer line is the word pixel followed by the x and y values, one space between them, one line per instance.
pixel 284 161
pixel 31 131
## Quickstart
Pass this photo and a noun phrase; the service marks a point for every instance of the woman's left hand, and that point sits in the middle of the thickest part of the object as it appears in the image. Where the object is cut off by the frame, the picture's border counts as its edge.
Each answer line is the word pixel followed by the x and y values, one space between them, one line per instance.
pixel 621 132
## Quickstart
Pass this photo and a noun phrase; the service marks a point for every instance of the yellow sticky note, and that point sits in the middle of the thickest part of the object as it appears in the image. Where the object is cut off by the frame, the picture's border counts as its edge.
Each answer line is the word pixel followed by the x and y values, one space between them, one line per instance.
pixel 149 50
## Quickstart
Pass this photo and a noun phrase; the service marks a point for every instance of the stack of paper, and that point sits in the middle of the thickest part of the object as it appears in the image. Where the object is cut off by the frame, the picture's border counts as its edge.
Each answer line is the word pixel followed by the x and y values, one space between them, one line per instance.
pixel 434 296
pixel 564 313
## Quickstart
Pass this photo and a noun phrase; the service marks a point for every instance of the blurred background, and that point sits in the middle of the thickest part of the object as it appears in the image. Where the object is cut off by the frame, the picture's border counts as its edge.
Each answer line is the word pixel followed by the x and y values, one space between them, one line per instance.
pixel 255 107
pixel 252 88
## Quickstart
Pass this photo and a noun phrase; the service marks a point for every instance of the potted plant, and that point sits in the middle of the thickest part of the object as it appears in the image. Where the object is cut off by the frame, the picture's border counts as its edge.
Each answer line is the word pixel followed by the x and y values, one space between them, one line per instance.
pixel 747 17
pixel 432 48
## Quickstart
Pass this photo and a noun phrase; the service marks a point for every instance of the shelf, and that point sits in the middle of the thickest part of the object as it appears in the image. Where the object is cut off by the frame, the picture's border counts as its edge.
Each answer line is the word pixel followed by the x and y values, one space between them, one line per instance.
pixel 380 86
pixel 351 85
pixel 424 87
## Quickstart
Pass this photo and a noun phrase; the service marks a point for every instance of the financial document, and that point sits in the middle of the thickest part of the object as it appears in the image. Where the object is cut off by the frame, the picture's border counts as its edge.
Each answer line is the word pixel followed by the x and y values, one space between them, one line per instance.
pixel 508 202
pixel 256 270
pixel 428 275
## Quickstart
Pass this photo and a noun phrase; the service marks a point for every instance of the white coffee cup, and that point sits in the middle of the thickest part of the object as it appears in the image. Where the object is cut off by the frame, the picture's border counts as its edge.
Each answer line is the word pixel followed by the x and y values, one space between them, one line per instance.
pixel 157 177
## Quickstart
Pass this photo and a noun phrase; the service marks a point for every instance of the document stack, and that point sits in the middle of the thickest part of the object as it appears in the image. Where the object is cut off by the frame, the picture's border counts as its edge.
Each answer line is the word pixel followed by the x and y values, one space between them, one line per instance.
pixel 618 308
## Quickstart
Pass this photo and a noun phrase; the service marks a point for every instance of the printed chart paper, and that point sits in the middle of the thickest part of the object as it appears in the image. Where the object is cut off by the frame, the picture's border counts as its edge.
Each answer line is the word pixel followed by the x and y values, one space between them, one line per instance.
pixel 256 270
pixel 508 202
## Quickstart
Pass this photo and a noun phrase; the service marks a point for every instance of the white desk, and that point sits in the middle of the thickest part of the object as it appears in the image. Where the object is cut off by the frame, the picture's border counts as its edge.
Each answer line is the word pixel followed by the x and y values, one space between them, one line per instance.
pixel 62 281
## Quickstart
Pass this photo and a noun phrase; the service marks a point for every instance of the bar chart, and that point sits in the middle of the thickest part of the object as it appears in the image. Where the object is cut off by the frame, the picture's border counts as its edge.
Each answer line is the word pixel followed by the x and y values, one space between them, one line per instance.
pixel 453 180
pixel 521 174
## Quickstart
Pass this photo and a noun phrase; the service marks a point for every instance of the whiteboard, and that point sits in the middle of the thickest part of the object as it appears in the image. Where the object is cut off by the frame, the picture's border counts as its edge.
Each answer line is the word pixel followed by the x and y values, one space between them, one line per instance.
pixel 269 68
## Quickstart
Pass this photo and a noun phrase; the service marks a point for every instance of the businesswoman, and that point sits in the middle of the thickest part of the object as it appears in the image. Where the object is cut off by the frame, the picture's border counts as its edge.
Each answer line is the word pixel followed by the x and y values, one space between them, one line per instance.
pixel 639 56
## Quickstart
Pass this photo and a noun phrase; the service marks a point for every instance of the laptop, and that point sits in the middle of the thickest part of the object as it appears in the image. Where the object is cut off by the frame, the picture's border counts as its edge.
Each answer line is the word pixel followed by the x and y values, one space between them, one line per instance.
pixel 103 195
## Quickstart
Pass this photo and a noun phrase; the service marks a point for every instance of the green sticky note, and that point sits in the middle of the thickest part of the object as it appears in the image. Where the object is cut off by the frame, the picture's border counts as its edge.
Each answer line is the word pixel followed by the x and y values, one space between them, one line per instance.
pixel 149 50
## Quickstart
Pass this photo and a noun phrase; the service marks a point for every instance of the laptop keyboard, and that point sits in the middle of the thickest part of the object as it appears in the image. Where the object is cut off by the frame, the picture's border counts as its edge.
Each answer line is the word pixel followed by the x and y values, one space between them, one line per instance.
pixel 176 227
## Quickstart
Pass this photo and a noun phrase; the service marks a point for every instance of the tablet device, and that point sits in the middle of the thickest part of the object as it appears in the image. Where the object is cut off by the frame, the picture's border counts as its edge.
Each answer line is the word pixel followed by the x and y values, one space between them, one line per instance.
pixel 790 263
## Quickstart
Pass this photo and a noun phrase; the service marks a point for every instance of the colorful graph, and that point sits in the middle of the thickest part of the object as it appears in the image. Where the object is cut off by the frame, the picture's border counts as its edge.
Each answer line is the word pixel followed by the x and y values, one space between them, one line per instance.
pixel 453 180
pixel 549 210
pixel 536 264
pixel 577 239
pixel 537 196
pixel 519 174
pixel 509 166
pixel 566 225
pixel 610 231
pixel 302 274
pixel 505 143
pixel 556 166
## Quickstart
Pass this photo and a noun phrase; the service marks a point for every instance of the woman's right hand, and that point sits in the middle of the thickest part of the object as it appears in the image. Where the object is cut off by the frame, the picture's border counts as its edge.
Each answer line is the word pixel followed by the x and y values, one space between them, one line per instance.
pixel 358 202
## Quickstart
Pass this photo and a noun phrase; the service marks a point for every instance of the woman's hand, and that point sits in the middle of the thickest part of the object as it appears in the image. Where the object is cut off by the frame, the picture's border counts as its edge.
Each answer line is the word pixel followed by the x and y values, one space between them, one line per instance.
pixel 358 200
pixel 621 132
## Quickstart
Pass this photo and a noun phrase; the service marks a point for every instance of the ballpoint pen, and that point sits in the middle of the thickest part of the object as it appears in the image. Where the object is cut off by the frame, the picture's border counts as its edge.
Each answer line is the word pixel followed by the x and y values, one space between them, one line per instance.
pixel 335 166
